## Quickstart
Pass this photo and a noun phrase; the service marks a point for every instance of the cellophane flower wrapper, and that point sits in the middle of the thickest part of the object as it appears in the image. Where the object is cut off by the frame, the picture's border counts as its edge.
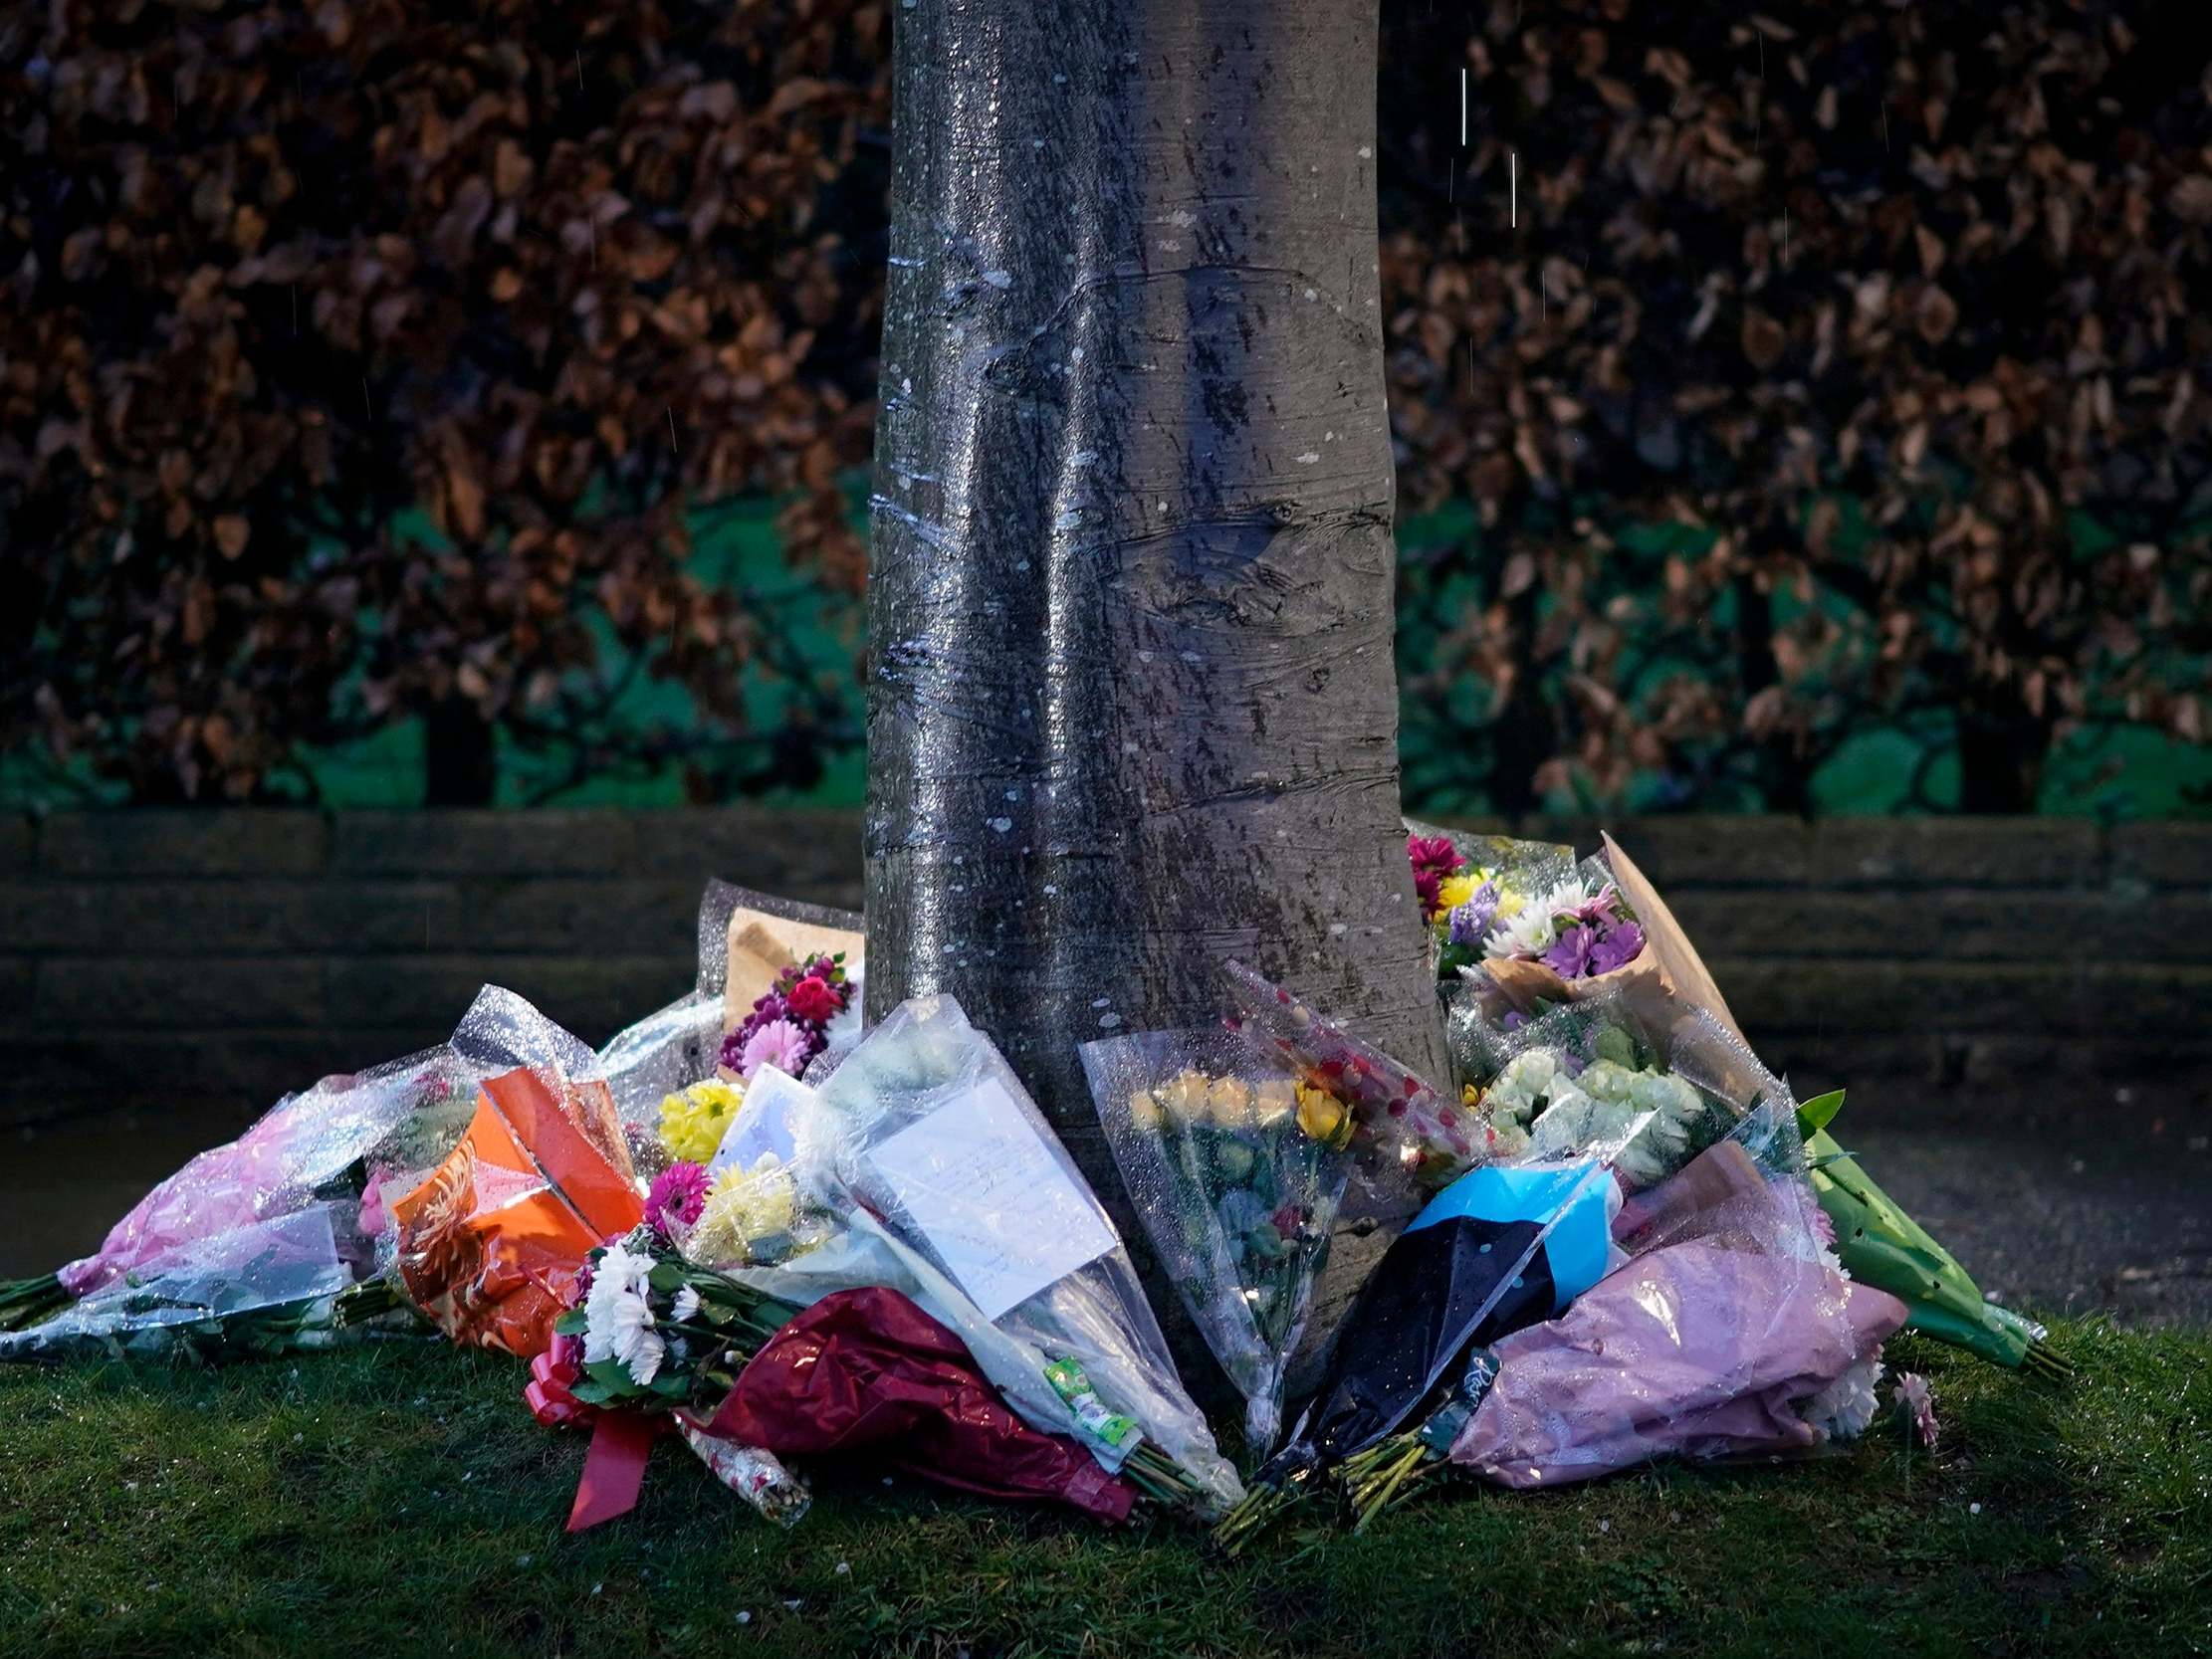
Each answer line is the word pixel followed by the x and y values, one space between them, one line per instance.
pixel 1635 1047
pixel 488 1242
pixel 1407 1140
pixel 754 1473
pixel 1730 1332
pixel 679 1044
pixel 264 1286
pixel 1879 1244
pixel 1237 1180
pixel 308 1148
pixel 1503 1246
pixel 928 1128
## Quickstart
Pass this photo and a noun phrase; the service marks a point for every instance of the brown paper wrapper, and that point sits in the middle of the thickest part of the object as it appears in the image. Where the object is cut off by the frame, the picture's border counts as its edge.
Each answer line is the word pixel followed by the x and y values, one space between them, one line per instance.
pixel 1668 964
pixel 763 945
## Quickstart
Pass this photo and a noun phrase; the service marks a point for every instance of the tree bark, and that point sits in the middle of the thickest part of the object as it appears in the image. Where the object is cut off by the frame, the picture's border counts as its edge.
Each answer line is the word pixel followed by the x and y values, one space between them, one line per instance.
pixel 1132 706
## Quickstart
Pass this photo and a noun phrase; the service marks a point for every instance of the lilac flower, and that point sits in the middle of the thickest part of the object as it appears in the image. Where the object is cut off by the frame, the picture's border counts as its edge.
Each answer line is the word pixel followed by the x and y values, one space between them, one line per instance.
pixel 1616 949
pixel 676 1197
pixel 1470 921
pixel 779 1043
pixel 1916 1400
pixel 1570 958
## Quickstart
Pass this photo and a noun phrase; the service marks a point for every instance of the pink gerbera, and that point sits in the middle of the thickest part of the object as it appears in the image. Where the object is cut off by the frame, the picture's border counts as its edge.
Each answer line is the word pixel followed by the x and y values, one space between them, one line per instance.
pixel 676 1197
pixel 779 1043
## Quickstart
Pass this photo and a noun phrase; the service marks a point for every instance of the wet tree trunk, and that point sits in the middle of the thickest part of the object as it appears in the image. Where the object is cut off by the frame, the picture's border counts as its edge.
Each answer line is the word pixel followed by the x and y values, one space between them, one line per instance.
pixel 1132 706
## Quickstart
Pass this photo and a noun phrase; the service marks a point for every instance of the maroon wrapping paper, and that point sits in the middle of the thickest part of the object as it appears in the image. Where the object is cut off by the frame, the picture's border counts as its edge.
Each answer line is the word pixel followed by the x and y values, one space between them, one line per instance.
pixel 867 1369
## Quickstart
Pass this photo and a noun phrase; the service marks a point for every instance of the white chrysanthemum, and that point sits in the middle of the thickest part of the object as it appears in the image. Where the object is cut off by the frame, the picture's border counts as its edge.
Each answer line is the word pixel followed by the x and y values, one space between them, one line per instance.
pixel 1843 1410
pixel 685 1305
pixel 617 1319
pixel 1531 931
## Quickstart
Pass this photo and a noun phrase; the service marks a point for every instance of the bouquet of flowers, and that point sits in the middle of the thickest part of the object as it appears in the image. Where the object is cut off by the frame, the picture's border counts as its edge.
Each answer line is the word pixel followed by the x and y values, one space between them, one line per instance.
pixel 659 1342
pixel 789 1024
pixel 1470 885
pixel 1406 1139
pixel 267 1241
pixel 927 1131
pixel 299 1280
pixel 489 1242
pixel 1237 1167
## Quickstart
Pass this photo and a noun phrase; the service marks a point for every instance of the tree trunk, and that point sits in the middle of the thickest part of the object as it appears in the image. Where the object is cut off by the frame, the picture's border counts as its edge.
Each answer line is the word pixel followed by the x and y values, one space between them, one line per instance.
pixel 460 755
pixel 1132 707
pixel 2002 750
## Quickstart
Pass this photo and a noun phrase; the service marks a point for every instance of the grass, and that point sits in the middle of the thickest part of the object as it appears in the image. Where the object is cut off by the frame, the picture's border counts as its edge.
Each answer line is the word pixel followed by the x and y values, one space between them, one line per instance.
pixel 399 1500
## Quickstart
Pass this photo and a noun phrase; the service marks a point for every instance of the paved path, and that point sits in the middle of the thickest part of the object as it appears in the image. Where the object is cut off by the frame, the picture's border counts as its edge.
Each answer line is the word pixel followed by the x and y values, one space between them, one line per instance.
pixel 2104 1206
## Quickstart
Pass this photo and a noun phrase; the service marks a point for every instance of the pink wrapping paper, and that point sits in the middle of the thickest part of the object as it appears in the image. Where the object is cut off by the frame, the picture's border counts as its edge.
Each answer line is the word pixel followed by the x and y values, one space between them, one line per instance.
pixel 1693 1351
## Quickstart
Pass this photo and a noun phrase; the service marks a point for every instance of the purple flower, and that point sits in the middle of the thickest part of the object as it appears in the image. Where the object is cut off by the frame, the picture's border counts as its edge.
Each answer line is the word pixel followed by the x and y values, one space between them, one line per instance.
pixel 779 1043
pixel 1616 949
pixel 676 1197
pixel 1470 921
pixel 1570 958
pixel 1600 907
pixel 732 1048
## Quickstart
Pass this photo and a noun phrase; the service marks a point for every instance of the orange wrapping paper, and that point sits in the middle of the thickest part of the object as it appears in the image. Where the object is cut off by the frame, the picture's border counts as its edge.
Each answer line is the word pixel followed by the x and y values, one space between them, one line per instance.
pixel 490 1243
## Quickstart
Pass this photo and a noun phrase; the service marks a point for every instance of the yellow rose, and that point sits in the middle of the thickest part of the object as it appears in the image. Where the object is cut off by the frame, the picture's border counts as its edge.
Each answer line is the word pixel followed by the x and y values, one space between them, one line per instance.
pixel 1229 1102
pixel 1185 1095
pixel 1143 1112
pixel 1322 1115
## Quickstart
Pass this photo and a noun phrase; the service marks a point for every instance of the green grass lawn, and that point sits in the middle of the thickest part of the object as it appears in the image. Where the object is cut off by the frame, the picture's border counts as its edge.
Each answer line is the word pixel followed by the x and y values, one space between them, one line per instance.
pixel 399 1500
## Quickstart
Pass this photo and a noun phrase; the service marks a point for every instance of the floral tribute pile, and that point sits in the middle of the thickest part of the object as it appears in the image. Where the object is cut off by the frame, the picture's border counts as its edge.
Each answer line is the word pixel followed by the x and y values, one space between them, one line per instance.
pixel 749 1225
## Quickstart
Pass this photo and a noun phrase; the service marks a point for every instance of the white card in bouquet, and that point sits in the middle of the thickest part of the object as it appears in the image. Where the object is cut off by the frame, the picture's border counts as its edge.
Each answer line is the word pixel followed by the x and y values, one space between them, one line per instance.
pixel 990 1198
pixel 764 1123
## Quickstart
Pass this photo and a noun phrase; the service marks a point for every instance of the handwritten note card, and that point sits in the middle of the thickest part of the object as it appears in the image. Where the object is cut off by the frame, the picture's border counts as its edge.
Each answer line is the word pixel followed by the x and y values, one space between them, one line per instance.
pixel 991 1199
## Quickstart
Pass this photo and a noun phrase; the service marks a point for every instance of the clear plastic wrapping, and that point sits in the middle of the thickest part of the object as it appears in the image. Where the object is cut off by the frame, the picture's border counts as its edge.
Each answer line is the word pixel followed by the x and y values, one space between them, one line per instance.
pixel 307 1146
pixel 1407 1140
pixel 926 1126
pixel 756 1476
pixel 1584 1067
pixel 1237 1167
pixel 264 1285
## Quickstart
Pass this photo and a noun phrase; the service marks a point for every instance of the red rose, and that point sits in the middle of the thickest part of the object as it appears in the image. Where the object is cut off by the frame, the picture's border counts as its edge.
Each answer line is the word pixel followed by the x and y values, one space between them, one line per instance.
pixel 816 1000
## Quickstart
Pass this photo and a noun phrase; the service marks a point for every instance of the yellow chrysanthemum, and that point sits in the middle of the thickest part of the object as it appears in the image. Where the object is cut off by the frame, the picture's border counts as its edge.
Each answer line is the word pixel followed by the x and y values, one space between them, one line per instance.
pixel 693 1119
pixel 743 1207
pixel 1454 891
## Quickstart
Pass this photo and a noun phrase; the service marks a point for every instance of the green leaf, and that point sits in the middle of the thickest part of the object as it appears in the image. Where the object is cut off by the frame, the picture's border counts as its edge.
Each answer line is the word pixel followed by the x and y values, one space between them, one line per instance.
pixel 666 1277
pixel 570 1324
pixel 1815 1114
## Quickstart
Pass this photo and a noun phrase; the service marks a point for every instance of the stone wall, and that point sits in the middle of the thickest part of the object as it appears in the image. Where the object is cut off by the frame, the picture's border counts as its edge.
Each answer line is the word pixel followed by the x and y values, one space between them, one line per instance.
pixel 221 958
